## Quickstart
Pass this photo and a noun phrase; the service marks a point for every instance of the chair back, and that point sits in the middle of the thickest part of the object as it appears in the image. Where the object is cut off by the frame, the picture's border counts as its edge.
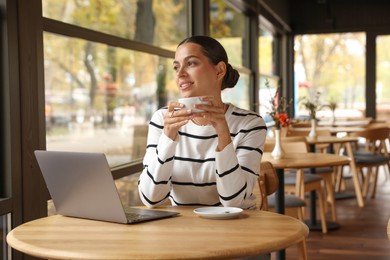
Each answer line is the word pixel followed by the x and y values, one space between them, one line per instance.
pixel 267 183
pixel 306 131
pixel 377 124
pixel 295 147
pixel 374 139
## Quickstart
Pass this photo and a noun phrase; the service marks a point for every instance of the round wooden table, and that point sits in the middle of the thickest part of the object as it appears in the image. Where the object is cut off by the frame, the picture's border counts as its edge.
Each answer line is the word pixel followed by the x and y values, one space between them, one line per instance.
pixel 187 236
pixel 300 161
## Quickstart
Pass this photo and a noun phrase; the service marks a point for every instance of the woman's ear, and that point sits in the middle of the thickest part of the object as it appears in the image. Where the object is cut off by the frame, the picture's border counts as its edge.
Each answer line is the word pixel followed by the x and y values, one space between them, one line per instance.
pixel 221 69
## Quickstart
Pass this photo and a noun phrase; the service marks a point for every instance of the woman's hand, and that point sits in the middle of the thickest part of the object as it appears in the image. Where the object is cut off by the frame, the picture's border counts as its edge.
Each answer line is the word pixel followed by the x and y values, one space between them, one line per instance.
pixel 175 118
pixel 215 114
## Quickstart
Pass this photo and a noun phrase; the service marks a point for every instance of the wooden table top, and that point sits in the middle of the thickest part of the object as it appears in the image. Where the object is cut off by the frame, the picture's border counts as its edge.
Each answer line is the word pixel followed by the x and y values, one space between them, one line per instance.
pixel 306 160
pixel 331 139
pixel 333 129
pixel 345 123
pixel 187 236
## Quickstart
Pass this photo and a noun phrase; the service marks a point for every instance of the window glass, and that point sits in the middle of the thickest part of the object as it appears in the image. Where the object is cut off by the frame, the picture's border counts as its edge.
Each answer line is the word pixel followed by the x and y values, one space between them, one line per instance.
pixel 383 78
pixel 228 27
pixel 268 71
pixel 265 95
pixel 160 23
pixel 100 98
pixel 334 65
pixel 266 53
pixel 240 93
pixel 128 190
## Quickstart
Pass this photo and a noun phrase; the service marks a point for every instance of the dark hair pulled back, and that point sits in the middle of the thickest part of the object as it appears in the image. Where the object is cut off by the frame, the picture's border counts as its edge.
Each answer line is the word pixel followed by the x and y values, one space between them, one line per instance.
pixel 215 52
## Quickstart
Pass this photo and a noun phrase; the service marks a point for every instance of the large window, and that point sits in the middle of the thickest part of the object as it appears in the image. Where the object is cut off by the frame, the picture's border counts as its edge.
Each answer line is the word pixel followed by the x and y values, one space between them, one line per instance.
pixel 227 25
pixel 97 92
pixel 334 66
pixel 100 97
pixel 268 69
pixel 383 78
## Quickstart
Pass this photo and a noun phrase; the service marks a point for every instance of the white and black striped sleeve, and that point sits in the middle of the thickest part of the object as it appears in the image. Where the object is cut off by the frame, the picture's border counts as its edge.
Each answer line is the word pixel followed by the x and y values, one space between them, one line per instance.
pixel 155 181
pixel 238 165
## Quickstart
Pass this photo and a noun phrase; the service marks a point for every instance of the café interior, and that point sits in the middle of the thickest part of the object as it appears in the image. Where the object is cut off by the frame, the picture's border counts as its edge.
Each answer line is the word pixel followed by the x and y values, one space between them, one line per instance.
pixel 86 76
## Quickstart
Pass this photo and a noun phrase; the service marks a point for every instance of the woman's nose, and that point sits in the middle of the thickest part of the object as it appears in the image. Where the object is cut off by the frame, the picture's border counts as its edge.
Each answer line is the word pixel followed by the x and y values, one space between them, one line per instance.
pixel 180 72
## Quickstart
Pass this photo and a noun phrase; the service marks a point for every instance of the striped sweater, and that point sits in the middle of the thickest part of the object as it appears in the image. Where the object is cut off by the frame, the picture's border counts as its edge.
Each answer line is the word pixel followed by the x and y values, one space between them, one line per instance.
pixel 191 172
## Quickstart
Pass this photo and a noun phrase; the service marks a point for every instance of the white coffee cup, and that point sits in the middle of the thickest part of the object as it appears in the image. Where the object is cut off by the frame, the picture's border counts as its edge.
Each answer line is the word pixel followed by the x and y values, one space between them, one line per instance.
pixel 191 101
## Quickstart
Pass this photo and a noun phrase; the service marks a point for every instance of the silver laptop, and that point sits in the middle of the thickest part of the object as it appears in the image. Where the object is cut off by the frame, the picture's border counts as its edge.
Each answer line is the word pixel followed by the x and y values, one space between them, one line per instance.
pixel 81 185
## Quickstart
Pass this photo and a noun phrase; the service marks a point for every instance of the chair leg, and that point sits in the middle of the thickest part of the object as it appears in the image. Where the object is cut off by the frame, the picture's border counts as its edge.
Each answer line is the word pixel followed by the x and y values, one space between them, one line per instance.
pixel 301 213
pixel 302 249
pixel 329 194
pixel 300 186
pixel 355 176
pixel 339 180
pixel 388 171
pixel 366 181
pixel 375 182
pixel 322 211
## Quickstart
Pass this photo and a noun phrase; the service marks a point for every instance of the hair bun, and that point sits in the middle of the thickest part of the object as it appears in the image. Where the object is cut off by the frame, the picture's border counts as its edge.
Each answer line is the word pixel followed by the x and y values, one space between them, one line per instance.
pixel 231 77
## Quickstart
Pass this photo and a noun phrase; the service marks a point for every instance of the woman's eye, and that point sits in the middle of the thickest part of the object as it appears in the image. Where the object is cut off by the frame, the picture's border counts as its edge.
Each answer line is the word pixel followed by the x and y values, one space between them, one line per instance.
pixel 175 68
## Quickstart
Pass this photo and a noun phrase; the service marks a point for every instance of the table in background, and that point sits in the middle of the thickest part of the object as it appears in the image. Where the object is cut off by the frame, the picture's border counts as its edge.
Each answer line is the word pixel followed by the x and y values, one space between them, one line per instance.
pixel 301 161
pixel 338 130
pixel 334 130
pixel 343 123
pixel 187 236
pixel 347 142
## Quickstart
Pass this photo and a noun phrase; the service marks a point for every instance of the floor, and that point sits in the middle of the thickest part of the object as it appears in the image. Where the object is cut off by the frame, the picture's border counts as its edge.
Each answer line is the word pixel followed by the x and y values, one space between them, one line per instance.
pixel 363 231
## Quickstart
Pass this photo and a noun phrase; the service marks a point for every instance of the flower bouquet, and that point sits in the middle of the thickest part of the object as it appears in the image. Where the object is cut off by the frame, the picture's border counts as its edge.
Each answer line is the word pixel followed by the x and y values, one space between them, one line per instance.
pixel 332 105
pixel 281 119
pixel 313 105
pixel 278 109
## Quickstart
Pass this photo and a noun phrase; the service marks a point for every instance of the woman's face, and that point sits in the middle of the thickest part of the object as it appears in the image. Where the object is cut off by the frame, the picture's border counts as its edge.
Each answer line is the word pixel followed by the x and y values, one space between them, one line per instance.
pixel 195 75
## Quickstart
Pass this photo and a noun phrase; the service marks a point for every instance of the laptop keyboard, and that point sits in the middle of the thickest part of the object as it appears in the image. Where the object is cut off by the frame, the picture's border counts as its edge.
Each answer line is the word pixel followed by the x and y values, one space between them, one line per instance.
pixel 131 215
pixel 135 216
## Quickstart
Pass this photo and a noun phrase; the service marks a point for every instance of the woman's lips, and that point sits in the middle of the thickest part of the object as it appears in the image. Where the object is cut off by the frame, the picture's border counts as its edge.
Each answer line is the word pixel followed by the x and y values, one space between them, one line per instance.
pixel 185 85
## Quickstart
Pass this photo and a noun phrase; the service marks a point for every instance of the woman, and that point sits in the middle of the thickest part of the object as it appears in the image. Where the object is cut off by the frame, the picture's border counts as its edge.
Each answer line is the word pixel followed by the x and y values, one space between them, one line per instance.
pixel 210 158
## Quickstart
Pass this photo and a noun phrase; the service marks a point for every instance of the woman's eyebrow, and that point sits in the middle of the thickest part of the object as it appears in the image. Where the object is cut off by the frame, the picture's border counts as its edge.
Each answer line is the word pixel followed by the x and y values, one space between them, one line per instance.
pixel 186 58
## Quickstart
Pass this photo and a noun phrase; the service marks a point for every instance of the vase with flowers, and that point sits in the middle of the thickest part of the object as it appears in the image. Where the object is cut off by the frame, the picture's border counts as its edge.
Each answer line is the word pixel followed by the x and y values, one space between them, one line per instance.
pixel 312 105
pixel 332 106
pixel 281 119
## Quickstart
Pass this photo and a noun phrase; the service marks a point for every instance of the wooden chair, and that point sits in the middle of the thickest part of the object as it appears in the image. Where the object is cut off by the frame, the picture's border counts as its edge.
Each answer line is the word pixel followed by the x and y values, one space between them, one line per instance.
pixel 327 173
pixel 298 182
pixel 267 185
pixel 372 155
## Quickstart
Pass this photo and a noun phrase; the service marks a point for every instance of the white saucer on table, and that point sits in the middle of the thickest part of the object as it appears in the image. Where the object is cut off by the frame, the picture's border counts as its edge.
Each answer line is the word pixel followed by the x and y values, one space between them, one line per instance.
pixel 218 212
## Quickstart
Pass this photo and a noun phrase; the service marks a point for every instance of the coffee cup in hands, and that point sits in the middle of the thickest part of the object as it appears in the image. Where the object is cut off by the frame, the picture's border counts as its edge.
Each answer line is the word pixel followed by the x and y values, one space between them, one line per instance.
pixel 191 101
